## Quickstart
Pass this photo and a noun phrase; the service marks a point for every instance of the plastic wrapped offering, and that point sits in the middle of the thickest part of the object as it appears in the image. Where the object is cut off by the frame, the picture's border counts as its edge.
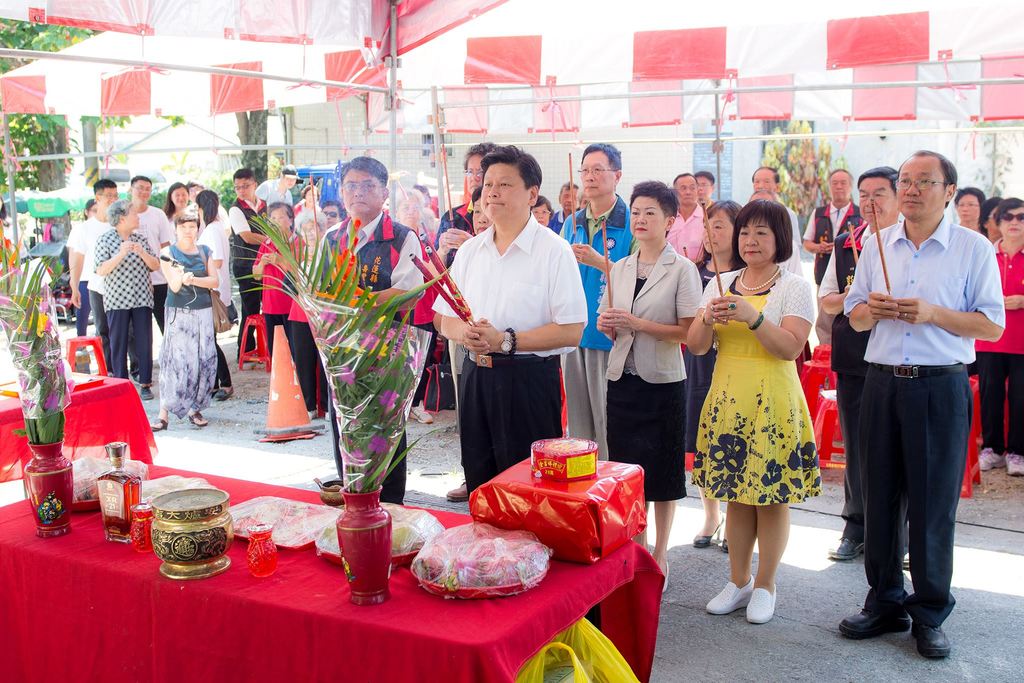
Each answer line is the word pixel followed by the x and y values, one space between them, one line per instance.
pixel 296 524
pixel 154 488
pixel 481 561
pixel 410 529
pixel 86 470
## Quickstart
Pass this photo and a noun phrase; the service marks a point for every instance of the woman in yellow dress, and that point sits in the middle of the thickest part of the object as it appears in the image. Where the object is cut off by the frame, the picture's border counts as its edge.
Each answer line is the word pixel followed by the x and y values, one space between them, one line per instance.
pixel 755 440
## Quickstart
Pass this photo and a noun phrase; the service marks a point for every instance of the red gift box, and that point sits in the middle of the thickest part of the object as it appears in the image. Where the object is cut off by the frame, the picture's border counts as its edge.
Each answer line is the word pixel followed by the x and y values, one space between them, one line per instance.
pixel 581 521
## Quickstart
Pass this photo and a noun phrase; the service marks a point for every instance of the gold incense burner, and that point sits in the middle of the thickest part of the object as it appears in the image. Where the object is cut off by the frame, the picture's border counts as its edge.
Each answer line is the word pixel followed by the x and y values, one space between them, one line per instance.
pixel 192 532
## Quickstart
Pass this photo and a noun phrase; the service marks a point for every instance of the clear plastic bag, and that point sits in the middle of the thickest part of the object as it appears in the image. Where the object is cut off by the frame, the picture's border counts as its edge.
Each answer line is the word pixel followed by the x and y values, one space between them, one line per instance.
pixel 410 529
pixel 296 524
pixel 154 488
pixel 86 470
pixel 481 561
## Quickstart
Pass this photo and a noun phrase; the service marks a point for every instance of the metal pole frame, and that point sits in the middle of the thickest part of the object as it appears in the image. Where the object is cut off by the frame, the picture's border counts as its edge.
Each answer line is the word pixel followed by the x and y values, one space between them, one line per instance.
pixel 12 203
pixel 393 95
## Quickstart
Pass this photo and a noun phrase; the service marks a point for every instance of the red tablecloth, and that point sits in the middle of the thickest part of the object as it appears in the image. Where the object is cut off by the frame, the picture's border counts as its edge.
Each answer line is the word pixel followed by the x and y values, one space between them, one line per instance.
pixel 79 608
pixel 97 415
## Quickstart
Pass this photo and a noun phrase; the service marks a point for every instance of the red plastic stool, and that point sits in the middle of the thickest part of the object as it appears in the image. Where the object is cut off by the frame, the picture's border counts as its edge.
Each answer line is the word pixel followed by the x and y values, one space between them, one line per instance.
pixel 822 352
pixel 94 343
pixel 815 376
pixel 260 354
pixel 827 432
pixel 972 472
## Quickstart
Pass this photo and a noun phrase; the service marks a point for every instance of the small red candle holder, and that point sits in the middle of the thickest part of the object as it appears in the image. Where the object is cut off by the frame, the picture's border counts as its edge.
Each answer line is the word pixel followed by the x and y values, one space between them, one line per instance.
pixel 262 552
pixel 141 533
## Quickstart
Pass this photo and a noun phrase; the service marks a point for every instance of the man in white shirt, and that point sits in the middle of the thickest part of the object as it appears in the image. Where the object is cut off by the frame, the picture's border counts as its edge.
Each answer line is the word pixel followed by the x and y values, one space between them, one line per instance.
pixel 159 232
pixel 246 238
pixel 82 258
pixel 522 284
pixel 274 190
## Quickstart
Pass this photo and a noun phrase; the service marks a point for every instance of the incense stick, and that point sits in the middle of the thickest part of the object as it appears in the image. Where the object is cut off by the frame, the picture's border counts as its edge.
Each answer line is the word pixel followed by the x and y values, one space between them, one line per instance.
pixel 447 189
pixel 572 198
pixel 881 251
pixel 711 246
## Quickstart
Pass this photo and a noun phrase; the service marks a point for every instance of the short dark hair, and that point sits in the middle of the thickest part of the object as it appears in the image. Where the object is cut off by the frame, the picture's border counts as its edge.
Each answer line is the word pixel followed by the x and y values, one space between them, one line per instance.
pixel 424 189
pixel 103 184
pixel 306 189
pixel 282 205
pixel 987 207
pixel 840 170
pixel 190 184
pixel 209 205
pixel 972 191
pixel 187 217
pixel 683 175
pixel 88 205
pixel 732 210
pixel 476 195
pixel 543 201
pixel 610 151
pixel 480 149
pixel 948 169
pixel 138 178
pixel 887 172
pixel 367 165
pixel 331 202
pixel 659 192
pixel 568 186
pixel 775 216
pixel 1008 204
pixel 244 174
pixel 775 173
pixel 525 163
pixel 706 175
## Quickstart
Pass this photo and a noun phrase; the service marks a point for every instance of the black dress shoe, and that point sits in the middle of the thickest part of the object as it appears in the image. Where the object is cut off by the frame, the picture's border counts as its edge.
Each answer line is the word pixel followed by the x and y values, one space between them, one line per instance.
pixel 931 641
pixel 848 550
pixel 869 625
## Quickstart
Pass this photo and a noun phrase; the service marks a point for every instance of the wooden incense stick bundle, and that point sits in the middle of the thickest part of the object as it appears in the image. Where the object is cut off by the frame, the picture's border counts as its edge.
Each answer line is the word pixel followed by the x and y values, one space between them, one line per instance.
pixel 881 251
pixel 714 260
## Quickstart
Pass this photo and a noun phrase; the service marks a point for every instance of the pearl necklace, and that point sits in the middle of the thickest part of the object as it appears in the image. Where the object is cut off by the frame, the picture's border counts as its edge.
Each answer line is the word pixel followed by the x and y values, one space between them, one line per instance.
pixel 762 286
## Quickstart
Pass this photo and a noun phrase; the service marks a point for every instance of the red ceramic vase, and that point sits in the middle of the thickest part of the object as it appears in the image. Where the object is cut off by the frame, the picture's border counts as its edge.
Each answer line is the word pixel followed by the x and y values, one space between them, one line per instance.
pixel 49 488
pixel 364 536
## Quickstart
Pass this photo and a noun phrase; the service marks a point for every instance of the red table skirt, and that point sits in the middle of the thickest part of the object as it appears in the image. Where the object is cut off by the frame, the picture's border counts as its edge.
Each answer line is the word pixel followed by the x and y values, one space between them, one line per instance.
pixel 97 415
pixel 81 608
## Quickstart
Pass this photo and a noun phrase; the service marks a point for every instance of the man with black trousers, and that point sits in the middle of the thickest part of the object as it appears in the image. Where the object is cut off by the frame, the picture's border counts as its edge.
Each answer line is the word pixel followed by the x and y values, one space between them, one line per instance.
pixel 915 418
pixel 877 189
pixel 384 249
pixel 523 286
pixel 246 238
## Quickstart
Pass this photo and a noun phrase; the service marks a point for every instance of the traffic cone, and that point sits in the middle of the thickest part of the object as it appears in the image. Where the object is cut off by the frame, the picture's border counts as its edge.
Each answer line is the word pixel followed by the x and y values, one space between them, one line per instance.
pixel 287 418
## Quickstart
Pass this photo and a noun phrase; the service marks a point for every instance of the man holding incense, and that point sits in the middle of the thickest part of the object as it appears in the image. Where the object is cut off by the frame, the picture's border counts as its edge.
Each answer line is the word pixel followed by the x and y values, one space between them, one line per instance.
pixel 926 288
pixel 522 286
pixel 456 224
pixel 385 251
pixel 877 188
pixel 598 231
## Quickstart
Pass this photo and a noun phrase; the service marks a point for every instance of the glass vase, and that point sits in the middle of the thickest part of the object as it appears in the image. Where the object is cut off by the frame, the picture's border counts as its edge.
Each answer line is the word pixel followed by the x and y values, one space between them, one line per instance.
pixel 262 552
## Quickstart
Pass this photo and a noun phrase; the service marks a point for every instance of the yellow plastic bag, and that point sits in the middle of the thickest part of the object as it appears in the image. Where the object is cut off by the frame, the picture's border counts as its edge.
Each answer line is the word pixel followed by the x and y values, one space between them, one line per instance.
pixel 579 654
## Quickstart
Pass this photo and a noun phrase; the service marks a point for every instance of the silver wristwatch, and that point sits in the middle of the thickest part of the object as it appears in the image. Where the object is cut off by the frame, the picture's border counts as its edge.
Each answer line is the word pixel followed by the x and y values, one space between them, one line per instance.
pixel 507 344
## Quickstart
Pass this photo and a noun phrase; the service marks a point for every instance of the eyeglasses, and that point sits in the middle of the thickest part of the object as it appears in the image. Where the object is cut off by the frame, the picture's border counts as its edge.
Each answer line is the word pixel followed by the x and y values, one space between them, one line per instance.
pixel 474 174
pixel 1012 218
pixel 364 186
pixel 243 186
pixel 921 185
pixel 331 214
pixel 584 172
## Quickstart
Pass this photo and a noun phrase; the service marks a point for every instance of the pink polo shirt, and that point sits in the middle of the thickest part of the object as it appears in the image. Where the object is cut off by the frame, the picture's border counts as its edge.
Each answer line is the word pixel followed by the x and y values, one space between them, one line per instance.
pixel 1011 270
pixel 687 234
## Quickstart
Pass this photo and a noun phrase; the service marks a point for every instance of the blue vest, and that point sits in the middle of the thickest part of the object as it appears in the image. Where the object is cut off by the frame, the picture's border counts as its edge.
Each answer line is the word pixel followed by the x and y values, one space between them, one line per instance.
pixel 619 240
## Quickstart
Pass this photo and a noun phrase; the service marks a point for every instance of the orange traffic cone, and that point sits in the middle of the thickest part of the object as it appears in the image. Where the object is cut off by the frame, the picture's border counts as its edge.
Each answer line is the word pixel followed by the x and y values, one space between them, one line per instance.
pixel 287 418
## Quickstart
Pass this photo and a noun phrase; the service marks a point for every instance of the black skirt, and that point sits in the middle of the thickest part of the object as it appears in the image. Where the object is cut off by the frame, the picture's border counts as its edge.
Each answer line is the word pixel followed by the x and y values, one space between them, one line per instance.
pixel 646 427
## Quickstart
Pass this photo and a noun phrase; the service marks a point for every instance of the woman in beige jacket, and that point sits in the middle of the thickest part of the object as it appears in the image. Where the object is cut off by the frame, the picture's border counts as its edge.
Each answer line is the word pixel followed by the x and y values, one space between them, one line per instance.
pixel 655 293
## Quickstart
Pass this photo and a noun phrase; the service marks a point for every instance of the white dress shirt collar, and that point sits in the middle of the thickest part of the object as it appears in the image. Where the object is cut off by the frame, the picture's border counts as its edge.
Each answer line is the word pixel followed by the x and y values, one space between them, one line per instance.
pixel 523 241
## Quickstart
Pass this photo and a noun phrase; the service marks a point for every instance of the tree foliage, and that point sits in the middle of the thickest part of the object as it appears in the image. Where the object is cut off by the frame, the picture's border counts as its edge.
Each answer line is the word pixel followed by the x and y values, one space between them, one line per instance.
pixel 803 165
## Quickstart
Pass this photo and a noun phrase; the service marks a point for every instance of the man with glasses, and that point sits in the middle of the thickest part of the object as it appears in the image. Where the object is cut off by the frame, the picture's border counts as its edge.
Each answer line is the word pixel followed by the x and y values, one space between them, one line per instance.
pixel 456 225
pixel 384 249
pixel 333 214
pixel 585 371
pixel 246 238
pixel 705 186
pixel 687 232
pixel 82 259
pixel 916 408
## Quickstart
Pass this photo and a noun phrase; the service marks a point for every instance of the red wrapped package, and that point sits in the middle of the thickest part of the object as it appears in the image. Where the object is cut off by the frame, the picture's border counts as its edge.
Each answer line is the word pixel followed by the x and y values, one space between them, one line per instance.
pixel 582 521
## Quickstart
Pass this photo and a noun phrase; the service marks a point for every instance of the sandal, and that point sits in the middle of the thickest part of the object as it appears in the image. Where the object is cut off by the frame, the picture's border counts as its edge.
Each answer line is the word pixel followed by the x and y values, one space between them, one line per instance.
pixel 224 393
pixel 198 420
pixel 158 426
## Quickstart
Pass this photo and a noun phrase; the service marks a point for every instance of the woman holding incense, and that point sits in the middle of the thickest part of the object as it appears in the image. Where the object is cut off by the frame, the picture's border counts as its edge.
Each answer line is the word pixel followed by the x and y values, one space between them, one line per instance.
pixel 755 445
pixel 1001 363
pixel 716 253
pixel 656 293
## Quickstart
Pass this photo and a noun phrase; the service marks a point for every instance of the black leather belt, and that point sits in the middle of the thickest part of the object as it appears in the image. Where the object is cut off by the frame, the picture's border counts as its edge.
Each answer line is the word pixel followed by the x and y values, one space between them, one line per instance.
pixel 498 360
pixel 915 371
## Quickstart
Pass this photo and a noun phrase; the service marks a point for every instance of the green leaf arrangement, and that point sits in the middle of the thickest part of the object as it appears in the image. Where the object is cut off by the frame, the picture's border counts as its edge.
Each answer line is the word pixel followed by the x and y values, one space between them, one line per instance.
pixel 27 318
pixel 371 355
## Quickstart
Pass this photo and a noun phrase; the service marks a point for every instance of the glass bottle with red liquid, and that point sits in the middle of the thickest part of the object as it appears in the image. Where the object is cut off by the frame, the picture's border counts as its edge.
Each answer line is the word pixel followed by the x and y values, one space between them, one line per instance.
pixel 142 527
pixel 262 553
pixel 118 491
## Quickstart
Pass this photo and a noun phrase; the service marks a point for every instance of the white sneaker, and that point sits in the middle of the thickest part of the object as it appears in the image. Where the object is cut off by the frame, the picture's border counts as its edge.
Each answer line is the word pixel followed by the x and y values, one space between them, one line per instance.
pixel 989 459
pixel 1015 464
pixel 761 607
pixel 731 598
pixel 421 416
